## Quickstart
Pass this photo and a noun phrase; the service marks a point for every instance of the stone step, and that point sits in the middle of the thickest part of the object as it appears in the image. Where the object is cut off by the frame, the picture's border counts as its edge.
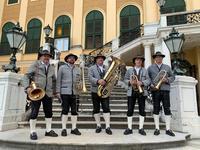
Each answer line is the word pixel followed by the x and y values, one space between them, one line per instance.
pixel 91 124
pixel 19 140
pixel 82 117
pixel 89 101
pixel 82 105
pixel 89 111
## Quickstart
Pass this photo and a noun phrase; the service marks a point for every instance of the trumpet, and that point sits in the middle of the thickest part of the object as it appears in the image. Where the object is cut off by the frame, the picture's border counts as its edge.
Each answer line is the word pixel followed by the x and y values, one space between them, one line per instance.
pixel 136 87
pixel 159 79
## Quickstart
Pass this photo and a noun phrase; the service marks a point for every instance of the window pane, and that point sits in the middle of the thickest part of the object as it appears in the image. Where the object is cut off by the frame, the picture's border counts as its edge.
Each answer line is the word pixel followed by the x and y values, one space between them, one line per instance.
pixel 33 34
pixel 12 1
pixel 62 26
pixel 62 44
pixel 4 45
pixel 89 42
pixel 94 27
pixel 98 41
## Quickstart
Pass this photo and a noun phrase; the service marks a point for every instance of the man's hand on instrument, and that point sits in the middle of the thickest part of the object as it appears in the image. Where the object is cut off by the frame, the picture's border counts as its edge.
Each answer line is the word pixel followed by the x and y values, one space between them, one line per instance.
pixel 133 82
pixel 101 82
pixel 139 83
pixel 28 90
pixel 164 80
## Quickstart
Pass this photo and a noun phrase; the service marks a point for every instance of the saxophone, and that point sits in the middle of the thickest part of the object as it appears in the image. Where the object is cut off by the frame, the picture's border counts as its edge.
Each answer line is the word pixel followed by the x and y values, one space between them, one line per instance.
pixel 110 77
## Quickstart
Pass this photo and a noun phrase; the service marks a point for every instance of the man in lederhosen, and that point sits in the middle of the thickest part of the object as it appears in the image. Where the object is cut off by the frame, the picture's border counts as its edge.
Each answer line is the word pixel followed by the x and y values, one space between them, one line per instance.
pixel 96 74
pixel 43 73
pixel 133 92
pixel 68 76
pixel 163 94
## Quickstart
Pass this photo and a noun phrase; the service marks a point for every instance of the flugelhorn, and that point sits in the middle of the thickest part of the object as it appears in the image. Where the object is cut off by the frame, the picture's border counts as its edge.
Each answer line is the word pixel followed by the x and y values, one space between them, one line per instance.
pixel 36 93
pixel 159 79
pixel 136 87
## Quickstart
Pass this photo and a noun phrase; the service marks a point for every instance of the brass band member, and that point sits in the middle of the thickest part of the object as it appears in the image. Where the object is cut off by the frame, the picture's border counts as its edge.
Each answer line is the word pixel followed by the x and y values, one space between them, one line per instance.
pixel 134 93
pixel 68 75
pixel 163 94
pixel 44 76
pixel 96 74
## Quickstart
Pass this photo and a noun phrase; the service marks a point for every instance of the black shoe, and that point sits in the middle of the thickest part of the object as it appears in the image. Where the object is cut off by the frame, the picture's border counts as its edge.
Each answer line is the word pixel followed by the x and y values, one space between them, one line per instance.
pixel 51 133
pixel 128 131
pixel 98 129
pixel 156 132
pixel 76 132
pixel 108 131
pixel 142 132
pixel 170 133
pixel 33 136
pixel 64 132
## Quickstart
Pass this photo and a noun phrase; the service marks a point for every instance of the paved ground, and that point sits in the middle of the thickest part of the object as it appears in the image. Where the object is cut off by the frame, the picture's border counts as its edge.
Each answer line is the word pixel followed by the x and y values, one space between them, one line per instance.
pixel 89 137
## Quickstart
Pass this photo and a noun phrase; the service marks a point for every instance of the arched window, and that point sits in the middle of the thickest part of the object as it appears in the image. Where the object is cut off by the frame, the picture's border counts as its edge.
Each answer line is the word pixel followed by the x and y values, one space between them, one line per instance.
pixel 4 45
pixel 33 36
pixel 62 32
pixel 129 22
pixel 94 30
pixel 171 6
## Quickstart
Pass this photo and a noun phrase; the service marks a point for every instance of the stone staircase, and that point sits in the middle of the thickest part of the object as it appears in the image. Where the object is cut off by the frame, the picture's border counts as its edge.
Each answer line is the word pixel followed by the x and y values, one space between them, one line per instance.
pixel 118 106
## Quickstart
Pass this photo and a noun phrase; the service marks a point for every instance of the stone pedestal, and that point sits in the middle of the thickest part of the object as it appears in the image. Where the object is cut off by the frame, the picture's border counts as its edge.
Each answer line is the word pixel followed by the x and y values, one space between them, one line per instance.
pixel 12 100
pixel 184 106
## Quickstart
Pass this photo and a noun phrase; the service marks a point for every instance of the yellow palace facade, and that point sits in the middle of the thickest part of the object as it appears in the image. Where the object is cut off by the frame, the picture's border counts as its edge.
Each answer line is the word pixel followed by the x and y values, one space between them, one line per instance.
pixel 128 27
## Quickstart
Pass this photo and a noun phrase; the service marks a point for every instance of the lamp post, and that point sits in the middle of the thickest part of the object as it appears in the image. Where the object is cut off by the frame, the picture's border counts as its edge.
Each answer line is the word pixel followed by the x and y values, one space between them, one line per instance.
pixel 174 43
pixel 16 38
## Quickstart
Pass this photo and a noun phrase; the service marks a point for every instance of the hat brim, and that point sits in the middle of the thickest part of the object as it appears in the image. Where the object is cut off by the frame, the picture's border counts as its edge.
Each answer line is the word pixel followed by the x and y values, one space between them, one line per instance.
pixel 95 58
pixel 45 53
pixel 142 58
pixel 154 56
pixel 66 57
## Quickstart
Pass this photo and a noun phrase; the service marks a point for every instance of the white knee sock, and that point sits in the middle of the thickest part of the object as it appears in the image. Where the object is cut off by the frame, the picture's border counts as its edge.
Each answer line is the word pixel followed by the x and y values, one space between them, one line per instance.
pixel 106 117
pixel 97 119
pixel 167 121
pixel 64 121
pixel 130 121
pixel 156 121
pixel 48 124
pixel 32 125
pixel 74 120
pixel 141 122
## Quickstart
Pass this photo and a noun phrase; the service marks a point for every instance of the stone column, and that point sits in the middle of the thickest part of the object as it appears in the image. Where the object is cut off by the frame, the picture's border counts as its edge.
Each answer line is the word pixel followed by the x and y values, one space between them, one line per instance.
pixel 184 106
pixel 111 20
pixel 147 55
pixel 12 100
pixel 1 14
pixel 77 24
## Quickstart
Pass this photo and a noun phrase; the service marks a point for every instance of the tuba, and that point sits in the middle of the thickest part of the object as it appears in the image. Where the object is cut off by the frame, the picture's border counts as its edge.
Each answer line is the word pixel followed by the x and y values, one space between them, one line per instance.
pixel 35 94
pixel 110 77
pixel 136 87
pixel 159 79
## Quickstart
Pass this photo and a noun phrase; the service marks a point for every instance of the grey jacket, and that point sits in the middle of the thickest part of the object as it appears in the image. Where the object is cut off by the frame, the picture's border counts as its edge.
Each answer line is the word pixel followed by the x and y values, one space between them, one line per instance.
pixel 144 77
pixel 43 79
pixel 153 71
pixel 94 76
pixel 67 79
